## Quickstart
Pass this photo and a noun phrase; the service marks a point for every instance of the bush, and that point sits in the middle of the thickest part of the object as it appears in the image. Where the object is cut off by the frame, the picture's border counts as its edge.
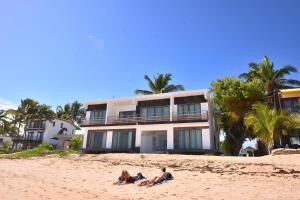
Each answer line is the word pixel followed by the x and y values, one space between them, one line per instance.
pixel 7 145
pixel 76 142
pixel 45 146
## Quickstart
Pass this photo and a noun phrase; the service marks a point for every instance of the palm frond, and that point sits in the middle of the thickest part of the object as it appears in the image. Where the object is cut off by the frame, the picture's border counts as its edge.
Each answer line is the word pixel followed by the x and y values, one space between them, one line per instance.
pixel 144 92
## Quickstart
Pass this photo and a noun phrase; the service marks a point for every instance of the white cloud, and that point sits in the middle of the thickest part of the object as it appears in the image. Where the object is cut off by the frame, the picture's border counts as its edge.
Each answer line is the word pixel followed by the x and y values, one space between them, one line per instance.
pixel 90 37
pixel 6 104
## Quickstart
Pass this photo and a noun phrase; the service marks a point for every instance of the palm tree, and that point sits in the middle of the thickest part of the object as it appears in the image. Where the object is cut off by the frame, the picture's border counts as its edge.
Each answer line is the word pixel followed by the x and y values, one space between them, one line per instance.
pixel 24 113
pixel 267 123
pixel 73 112
pixel 160 84
pixel 44 112
pixel 271 79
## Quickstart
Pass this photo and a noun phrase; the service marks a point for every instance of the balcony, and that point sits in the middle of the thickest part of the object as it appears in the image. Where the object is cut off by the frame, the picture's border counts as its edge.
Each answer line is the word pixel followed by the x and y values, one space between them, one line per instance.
pixel 130 120
pixel 196 116
pixel 36 126
pixel 92 122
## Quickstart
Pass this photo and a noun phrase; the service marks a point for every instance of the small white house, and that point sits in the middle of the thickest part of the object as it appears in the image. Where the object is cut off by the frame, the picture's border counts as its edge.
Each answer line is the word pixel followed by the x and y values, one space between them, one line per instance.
pixel 56 132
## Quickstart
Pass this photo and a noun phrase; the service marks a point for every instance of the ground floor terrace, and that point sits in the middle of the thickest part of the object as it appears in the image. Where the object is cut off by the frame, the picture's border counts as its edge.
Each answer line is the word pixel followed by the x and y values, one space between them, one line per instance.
pixel 195 138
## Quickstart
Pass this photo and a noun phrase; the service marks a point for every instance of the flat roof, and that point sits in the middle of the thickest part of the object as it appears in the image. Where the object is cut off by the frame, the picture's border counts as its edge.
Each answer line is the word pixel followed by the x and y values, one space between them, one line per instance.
pixel 149 97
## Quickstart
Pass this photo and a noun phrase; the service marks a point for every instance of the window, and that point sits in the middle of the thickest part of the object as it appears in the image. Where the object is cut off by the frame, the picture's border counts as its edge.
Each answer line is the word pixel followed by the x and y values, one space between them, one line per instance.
pixel 189 108
pixel 39 136
pixel 292 104
pixel 188 138
pixel 61 125
pixel 29 136
pixel 126 114
pixel 98 115
pixel 1 140
pixel 53 124
pixel 122 140
pixel 154 112
pixel 96 140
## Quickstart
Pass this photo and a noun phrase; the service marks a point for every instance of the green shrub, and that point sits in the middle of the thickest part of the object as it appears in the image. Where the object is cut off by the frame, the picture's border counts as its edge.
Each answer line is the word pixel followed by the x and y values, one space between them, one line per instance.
pixel 7 145
pixel 76 142
pixel 45 146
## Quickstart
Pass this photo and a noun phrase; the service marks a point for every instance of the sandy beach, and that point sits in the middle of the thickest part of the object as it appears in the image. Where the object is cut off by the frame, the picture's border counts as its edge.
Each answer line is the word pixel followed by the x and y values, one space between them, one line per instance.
pixel 196 177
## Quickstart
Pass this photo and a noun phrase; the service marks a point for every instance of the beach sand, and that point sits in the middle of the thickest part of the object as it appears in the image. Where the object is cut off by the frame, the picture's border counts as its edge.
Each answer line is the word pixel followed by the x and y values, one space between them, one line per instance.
pixel 196 177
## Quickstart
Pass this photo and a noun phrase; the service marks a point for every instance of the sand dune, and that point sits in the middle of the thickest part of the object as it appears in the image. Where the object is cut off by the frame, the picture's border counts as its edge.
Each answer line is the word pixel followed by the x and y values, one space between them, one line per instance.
pixel 196 177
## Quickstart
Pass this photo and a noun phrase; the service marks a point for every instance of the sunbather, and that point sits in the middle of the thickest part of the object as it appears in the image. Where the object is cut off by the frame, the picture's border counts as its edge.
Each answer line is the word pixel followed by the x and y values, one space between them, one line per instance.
pixel 125 178
pixel 156 179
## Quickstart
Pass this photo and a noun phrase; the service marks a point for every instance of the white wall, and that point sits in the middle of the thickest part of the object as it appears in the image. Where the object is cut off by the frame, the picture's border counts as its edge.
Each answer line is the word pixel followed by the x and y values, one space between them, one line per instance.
pixel 51 131
pixel 206 139
pixel 5 138
pixel 154 127
pixel 109 136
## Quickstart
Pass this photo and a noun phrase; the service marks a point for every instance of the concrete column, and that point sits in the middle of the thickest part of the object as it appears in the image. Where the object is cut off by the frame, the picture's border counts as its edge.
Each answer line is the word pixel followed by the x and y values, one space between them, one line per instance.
pixel 171 108
pixel 88 115
pixel 109 138
pixel 107 112
pixel 170 138
pixel 206 139
pixel 85 133
pixel 138 137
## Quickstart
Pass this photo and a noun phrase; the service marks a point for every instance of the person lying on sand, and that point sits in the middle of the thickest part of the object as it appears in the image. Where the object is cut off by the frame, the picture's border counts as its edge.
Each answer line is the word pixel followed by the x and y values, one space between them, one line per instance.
pixel 157 179
pixel 125 178
pixel 139 176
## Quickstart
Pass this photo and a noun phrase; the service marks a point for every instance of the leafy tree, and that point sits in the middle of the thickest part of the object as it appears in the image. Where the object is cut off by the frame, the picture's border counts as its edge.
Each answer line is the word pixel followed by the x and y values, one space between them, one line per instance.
pixel 267 123
pixel 271 78
pixel 76 142
pixel 73 112
pixel 29 110
pixel 44 112
pixel 160 84
pixel 234 98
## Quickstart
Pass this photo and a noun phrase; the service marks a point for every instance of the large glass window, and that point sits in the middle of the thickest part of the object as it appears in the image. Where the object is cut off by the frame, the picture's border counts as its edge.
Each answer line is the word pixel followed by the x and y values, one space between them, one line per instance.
pixel 122 140
pixel 127 114
pixel 97 140
pixel 188 138
pixel 98 115
pixel 292 104
pixel 161 112
pixel 189 108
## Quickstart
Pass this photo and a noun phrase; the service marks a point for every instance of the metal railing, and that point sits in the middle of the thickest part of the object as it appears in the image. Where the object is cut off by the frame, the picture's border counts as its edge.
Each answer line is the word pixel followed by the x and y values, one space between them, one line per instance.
pixel 36 126
pixel 111 120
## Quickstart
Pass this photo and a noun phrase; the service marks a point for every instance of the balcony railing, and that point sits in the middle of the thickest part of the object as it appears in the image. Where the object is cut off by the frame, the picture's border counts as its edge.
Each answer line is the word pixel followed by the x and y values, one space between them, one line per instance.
pixel 191 116
pixel 34 127
pixel 115 120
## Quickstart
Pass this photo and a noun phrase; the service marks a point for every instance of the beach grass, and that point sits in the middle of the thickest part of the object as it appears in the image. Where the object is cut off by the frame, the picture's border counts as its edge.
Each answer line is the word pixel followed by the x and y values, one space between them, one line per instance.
pixel 41 150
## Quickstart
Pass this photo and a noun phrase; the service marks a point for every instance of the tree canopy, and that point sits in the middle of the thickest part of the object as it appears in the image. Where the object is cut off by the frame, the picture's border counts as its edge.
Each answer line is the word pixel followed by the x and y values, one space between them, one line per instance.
pixel 159 84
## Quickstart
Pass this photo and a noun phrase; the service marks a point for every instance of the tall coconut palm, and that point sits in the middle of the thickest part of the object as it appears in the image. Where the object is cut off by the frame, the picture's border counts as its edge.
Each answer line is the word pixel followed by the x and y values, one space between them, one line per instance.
pixel 160 84
pixel 44 112
pixel 73 112
pixel 267 123
pixel 271 78
pixel 25 112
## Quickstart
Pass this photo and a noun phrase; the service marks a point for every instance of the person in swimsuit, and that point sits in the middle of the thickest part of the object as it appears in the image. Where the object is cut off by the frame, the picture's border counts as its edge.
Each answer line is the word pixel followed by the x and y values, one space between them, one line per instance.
pixel 156 179
pixel 125 178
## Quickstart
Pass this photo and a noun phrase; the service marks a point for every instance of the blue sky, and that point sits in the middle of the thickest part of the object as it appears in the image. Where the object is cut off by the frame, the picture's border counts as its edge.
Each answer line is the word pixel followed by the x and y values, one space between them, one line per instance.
pixel 60 51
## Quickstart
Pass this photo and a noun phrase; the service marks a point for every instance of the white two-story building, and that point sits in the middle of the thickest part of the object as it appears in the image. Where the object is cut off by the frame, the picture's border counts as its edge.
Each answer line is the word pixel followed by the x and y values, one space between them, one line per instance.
pixel 178 122
pixel 56 132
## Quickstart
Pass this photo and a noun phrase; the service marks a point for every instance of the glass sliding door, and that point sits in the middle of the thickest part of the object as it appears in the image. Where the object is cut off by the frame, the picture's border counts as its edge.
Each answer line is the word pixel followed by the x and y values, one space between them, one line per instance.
pixel 157 113
pixel 188 139
pixel 98 116
pixel 96 140
pixel 122 140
